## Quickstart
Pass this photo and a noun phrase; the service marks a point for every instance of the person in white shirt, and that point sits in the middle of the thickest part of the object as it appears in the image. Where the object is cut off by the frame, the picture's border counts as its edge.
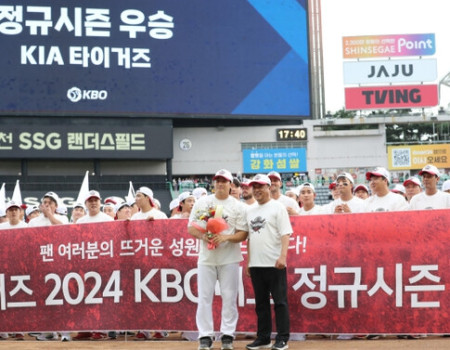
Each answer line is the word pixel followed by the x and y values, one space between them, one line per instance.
pixel 147 209
pixel 247 192
pixel 275 192
pixel 14 216
pixel 31 212
pixel 431 197
pixel 307 197
pixel 48 215
pixel 346 203
pixel 186 201
pixel 122 211
pixel 268 242
pixel 94 214
pixel 93 205
pixel 413 186
pixel 361 191
pixel 382 199
pixel 221 263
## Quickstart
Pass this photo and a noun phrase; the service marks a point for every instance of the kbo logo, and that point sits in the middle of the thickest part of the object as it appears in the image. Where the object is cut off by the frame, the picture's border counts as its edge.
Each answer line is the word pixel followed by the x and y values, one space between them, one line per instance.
pixel 75 94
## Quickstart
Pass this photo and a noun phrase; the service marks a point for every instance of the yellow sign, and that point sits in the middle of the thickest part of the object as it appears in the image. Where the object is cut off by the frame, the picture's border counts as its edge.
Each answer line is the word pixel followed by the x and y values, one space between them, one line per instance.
pixel 416 157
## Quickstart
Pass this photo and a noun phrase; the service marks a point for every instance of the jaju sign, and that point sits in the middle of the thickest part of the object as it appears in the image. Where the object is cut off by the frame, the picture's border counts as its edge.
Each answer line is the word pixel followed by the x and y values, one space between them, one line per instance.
pixel 390 71
pixel 374 272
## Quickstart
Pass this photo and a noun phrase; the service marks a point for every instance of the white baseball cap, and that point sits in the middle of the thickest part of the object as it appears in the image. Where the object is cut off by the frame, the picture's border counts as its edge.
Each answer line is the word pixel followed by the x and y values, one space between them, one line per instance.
pixel 446 185
pixel 379 171
pixel 260 179
pixel 185 195
pixel 92 194
pixel 398 188
pixel 245 182
pixel 294 190
pixel 347 176
pixel 51 195
pixel 274 174
pixel 31 209
pixel 414 180
pixel 225 174
pixel 79 205
pixel 62 209
pixel 199 191
pixel 430 169
pixel 145 190
pixel 12 204
pixel 361 187
pixel 174 203
pixel 120 205
pixel 307 184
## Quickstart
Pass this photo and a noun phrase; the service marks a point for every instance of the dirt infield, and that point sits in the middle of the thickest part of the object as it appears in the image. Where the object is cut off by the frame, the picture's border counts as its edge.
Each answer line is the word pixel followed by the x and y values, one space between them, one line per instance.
pixel 174 342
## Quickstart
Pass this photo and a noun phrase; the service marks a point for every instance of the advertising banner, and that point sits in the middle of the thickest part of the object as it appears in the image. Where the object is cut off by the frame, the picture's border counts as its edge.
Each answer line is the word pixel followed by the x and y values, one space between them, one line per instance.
pixel 390 71
pixel 162 58
pixel 417 156
pixel 395 96
pixel 389 45
pixel 354 273
pixel 282 160
pixel 86 141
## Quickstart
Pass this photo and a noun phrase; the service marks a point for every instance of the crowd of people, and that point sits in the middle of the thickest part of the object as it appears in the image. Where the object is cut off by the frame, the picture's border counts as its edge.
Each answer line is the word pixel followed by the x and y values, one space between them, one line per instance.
pixel 253 209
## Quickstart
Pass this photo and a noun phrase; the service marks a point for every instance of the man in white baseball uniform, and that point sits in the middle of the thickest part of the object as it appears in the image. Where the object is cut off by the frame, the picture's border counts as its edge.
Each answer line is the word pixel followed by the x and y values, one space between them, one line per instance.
pixel 219 264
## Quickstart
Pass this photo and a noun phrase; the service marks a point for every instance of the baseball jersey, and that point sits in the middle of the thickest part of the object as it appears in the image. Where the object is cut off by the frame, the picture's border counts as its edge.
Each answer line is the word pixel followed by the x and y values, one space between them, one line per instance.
pixel 234 213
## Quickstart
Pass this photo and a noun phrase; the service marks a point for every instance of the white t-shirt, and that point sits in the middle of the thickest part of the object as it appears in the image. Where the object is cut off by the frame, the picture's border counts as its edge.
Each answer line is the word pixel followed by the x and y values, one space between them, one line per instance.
pixel 267 223
pixel 288 202
pixel 100 217
pixel 356 205
pixel 315 210
pixel 42 220
pixel 6 225
pixel 155 213
pixel 439 200
pixel 234 213
pixel 389 202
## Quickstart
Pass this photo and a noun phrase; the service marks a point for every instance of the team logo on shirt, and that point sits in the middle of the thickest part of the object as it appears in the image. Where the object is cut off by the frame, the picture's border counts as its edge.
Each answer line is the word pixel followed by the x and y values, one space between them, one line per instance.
pixel 257 224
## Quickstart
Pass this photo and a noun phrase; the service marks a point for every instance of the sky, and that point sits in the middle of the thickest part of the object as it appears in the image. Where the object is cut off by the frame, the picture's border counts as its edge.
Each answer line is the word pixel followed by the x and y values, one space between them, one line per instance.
pixel 381 17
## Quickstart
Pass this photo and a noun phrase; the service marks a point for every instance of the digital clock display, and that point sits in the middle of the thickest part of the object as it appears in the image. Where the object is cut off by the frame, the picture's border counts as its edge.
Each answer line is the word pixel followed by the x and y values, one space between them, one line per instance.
pixel 291 134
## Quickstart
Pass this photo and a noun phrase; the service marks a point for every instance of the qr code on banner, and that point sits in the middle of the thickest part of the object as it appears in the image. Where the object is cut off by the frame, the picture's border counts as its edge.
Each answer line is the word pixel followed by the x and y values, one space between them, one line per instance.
pixel 401 157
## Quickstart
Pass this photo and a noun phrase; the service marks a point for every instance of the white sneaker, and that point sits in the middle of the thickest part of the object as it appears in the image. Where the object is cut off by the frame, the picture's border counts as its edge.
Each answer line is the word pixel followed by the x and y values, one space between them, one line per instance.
pixel 47 336
pixel 65 336
pixel 345 337
pixel 3 336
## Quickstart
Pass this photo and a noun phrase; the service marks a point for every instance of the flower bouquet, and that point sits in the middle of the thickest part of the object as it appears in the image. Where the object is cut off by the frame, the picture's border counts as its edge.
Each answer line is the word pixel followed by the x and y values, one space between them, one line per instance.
pixel 211 222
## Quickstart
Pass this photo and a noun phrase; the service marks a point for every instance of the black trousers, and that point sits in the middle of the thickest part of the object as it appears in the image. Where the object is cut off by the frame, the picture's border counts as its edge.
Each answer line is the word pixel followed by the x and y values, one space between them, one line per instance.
pixel 268 281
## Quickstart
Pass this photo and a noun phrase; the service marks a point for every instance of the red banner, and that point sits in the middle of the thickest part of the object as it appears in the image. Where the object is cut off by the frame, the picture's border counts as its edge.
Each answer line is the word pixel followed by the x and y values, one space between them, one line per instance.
pixel 393 96
pixel 357 273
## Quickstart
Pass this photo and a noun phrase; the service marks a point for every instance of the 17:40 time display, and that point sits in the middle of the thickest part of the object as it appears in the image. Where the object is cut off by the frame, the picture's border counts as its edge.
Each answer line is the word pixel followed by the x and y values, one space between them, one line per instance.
pixel 291 134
